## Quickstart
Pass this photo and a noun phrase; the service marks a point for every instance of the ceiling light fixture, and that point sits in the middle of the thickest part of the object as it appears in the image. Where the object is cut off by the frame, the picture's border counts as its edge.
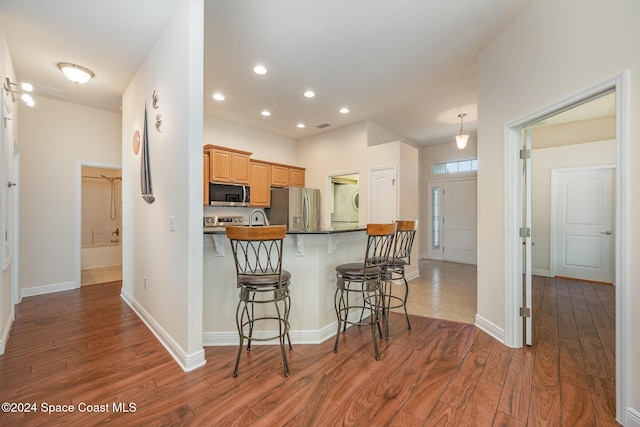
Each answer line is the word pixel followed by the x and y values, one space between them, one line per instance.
pixel 12 90
pixel 309 94
pixel 76 73
pixel 462 137
pixel 300 125
pixel 260 69
pixel 344 110
pixel 265 113
pixel 218 96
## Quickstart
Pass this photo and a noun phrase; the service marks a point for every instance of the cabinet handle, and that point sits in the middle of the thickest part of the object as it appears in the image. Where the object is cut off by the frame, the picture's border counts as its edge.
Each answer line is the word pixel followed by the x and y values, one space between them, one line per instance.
pixel 11 184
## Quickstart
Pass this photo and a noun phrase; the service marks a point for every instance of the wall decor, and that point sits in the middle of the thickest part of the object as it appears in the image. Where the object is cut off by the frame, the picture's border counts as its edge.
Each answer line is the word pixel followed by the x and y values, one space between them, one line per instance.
pixel 154 99
pixel 158 122
pixel 136 142
pixel 145 166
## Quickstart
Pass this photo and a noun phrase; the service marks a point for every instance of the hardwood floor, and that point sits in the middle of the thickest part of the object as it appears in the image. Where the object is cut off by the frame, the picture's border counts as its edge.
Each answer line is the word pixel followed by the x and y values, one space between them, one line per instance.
pixel 86 347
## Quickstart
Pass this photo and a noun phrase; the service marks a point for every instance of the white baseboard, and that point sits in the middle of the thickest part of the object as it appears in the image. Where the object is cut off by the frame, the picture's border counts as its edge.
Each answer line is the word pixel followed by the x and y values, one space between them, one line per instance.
pixel 230 338
pixel 187 361
pixel 7 330
pixel 48 289
pixel 490 328
pixel 413 275
pixel 539 272
pixel 633 418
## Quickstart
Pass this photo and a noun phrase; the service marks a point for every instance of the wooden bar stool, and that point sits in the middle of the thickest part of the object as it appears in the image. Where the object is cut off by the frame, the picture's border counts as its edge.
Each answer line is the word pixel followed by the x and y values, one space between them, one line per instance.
pixel 400 258
pixel 257 252
pixel 363 282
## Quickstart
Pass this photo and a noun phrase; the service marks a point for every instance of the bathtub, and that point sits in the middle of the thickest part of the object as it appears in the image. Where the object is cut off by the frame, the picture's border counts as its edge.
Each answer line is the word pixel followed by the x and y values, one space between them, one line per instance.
pixel 102 256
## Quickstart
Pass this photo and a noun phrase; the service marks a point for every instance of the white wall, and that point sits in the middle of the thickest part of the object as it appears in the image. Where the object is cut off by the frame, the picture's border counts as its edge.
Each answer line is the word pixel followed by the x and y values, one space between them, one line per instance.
pixel 543 161
pixel 55 137
pixel 171 261
pixel 554 50
pixel 263 145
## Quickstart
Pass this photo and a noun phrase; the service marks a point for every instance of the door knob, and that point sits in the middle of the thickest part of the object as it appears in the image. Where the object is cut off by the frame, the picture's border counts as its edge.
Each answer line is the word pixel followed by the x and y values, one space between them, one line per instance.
pixel 608 233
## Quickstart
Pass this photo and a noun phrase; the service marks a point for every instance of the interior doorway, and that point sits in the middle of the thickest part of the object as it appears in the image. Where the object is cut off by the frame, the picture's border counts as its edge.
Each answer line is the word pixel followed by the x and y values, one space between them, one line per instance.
pixel 345 200
pixel 101 230
pixel 516 191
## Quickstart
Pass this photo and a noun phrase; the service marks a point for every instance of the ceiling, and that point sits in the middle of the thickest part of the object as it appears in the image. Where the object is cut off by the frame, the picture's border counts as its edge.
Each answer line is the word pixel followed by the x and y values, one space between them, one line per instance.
pixel 408 66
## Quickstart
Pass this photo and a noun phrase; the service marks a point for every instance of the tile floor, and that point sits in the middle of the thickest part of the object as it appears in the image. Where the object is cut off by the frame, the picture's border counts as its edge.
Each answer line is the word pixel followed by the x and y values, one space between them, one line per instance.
pixel 92 276
pixel 444 290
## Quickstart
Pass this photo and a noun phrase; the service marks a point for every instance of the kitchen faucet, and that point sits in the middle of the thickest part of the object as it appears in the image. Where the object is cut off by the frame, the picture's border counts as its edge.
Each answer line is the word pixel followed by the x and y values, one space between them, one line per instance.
pixel 264 217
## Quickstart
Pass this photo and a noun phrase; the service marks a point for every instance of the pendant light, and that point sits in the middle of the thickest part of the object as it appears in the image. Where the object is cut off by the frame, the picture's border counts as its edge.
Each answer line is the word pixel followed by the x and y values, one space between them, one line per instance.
pixel 462 137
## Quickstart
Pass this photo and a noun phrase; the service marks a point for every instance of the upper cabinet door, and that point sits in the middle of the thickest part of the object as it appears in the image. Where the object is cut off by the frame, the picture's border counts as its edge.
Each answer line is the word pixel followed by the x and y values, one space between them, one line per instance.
pixel 229 165
pixel 279 176
pixel 296 177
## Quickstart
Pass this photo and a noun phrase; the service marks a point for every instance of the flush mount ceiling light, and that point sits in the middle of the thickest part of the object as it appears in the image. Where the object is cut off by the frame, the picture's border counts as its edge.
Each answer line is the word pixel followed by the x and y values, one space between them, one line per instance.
pixel 344 110
pixel 13 90
pixel 309 94
pixel 218 96
pixel 76 73
pixel 462 137
pixel 300 125
pixel 265 113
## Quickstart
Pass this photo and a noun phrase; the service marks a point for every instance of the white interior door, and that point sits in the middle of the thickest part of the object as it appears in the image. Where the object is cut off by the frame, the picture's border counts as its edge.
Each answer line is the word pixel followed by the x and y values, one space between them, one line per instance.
pixel 459 221
pixel 527 299
pixel 582 228
pixel 382 195
pixel 7 182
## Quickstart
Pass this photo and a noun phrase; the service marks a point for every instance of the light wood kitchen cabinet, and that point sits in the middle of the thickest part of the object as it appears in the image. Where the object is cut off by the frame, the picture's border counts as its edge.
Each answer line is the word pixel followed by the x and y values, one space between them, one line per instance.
pixel 207 178
pixel 296 177
pixel 228 165
pixel 260 183
pixel 221 164
pixel 287 176
pixel 279 176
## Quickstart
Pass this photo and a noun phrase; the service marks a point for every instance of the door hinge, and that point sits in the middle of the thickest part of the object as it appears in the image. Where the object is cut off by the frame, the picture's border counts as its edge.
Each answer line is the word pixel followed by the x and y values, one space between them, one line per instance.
pixel 525 232
pixel 525 312
pixel 525 153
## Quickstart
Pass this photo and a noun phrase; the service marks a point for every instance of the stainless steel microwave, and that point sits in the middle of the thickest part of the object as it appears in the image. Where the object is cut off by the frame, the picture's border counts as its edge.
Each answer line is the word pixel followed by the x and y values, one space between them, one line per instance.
pixel 225 194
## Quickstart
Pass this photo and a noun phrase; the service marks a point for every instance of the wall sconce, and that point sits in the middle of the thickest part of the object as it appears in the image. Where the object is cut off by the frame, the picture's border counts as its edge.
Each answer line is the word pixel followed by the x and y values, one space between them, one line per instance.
pixel 22 90
pixel 75 73
pixel 462 137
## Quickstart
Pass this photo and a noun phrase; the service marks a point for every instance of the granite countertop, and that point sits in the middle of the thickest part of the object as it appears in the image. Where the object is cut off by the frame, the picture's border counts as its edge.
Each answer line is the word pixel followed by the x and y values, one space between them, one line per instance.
pixel 330 230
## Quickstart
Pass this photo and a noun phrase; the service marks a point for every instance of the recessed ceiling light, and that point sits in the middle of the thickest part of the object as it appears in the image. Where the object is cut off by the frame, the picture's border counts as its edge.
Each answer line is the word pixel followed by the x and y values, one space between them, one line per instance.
pixel 300 125
pixel 218 96
pixel 344 110
pixel 309 94
pixel 259 69
pixel 265 113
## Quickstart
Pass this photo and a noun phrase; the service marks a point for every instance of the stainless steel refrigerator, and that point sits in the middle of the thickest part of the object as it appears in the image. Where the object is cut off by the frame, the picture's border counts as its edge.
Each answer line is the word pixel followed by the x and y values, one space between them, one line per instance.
pixel 297 208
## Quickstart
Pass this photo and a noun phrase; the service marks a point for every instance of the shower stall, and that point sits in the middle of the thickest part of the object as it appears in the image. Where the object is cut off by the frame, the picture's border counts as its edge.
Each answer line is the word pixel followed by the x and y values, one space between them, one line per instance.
pixel 101 230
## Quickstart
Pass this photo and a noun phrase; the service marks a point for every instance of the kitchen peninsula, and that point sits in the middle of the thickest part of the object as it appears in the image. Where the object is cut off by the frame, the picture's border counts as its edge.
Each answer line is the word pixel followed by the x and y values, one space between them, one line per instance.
pixel 310 257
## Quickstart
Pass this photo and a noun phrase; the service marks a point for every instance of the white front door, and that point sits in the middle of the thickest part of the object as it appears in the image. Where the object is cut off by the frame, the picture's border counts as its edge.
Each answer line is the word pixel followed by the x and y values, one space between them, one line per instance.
pixel 582 232
pixel 382 194
pixel 459 221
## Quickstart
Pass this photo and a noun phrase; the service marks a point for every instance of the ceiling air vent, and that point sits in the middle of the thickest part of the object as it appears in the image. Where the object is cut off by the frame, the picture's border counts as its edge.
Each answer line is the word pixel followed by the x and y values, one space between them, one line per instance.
pixel 324 125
